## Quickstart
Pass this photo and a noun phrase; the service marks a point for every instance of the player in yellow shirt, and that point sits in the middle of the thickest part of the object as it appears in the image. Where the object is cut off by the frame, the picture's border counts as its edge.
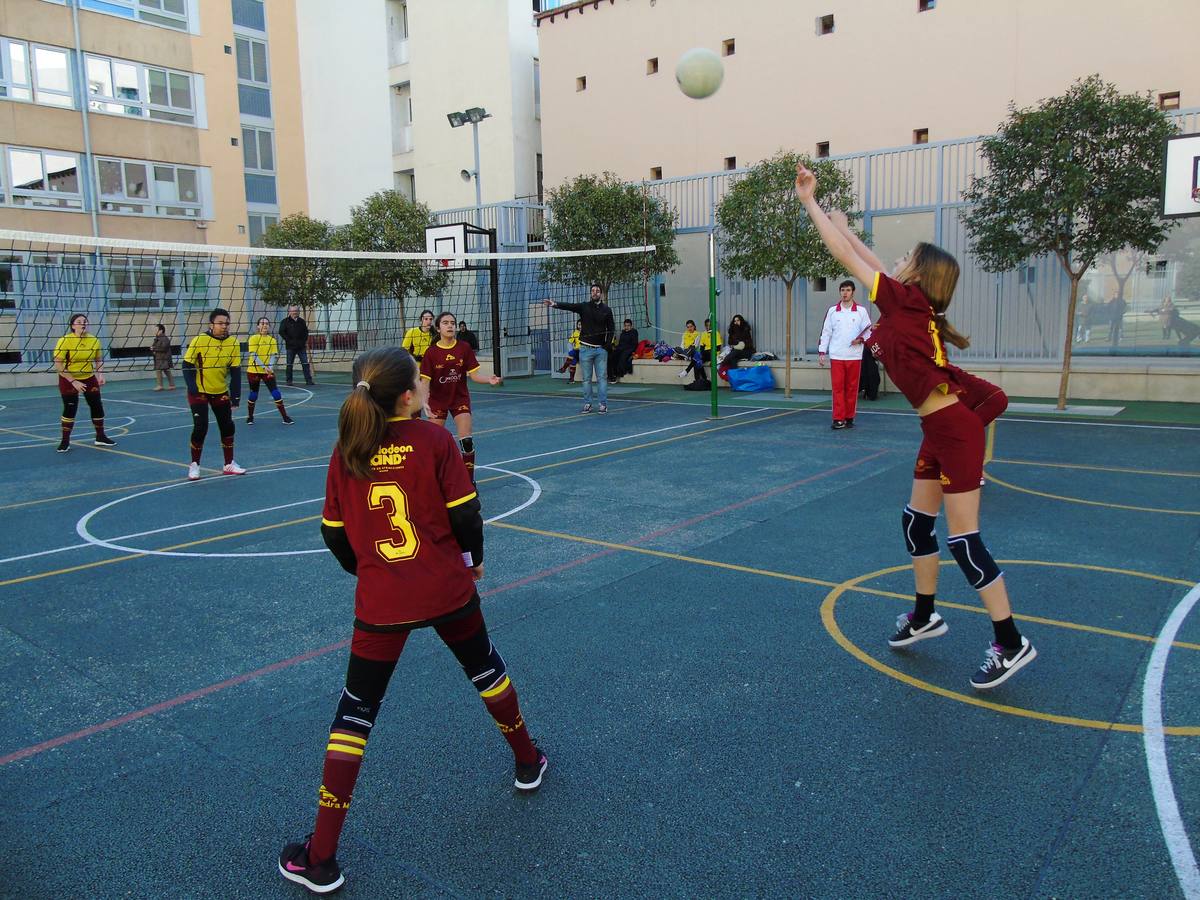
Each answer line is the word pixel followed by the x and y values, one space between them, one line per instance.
pixel 79 363
pixel 212 368
pixel 261 352
pixel 417 340
pixel 572 359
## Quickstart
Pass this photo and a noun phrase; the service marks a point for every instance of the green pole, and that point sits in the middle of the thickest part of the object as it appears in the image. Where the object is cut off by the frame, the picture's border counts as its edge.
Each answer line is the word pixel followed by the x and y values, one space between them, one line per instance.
pixel 712 318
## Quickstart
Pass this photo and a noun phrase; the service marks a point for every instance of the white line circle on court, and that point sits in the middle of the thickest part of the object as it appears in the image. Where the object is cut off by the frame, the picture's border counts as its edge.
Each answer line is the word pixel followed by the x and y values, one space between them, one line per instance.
pixel 82 529
pixel 1174 832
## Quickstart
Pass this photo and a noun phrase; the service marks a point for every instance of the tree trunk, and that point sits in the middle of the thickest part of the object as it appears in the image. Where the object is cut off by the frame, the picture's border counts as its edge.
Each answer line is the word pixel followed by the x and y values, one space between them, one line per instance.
pixel 787 344
pixel 1068 343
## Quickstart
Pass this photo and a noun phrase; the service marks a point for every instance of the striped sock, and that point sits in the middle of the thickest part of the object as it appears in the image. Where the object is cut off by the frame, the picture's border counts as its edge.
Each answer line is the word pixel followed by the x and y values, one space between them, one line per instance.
pixel 279 406
pixel 343 759
pixel 99 426
pixel 196 449
pixel 67 425
pixel 501 702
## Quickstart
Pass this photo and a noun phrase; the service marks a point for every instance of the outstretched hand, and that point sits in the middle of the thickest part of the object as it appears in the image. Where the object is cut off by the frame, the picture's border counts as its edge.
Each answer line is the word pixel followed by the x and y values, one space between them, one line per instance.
pixel 806 183
pixel 547 302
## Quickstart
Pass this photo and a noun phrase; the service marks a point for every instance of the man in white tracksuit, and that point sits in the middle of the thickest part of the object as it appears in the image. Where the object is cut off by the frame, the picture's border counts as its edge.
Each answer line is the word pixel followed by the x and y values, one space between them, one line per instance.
pixel 841 342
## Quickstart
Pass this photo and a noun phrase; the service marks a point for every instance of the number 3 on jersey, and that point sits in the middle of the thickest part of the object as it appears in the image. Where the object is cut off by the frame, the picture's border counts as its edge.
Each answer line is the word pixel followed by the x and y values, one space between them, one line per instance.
pixel 388 495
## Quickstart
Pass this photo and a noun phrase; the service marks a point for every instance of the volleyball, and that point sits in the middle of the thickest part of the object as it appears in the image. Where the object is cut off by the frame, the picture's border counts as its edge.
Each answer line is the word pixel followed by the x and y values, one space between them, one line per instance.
pixel 699 73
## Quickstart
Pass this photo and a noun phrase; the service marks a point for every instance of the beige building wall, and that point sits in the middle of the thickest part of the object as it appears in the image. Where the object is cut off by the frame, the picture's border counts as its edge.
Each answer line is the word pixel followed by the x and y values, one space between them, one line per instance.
pixel 885 71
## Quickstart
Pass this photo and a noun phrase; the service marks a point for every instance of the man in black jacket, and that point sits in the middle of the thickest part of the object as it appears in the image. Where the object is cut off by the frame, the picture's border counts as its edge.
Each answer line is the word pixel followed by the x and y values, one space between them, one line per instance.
pixel 294 331
pixel 620 358
pixel 595 338
pixel 467 336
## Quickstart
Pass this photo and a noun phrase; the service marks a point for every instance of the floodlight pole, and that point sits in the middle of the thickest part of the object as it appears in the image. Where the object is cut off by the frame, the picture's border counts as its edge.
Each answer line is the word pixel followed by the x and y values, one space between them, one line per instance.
pixel 712 317
pixel 478 189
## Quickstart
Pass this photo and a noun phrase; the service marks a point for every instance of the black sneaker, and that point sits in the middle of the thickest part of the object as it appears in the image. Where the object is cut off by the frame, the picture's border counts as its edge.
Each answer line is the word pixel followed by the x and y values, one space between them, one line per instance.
pixel 288 420
pixel 838 424
pixel 103 440
pixel 1000 664
pixel 529 777
pixel 293 865
pixel 63 447
pixel 908 633
pixel 849 423
pixel 249 421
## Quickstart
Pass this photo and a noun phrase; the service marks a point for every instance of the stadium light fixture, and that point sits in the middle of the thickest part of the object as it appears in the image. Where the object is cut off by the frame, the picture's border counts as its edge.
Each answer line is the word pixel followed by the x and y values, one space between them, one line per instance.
pixel 474 115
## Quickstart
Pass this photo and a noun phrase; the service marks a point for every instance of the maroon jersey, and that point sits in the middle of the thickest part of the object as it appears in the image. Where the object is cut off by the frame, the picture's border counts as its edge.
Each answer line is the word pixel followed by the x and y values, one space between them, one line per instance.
pixel 907 339
pixel 410 566
pixel 446 369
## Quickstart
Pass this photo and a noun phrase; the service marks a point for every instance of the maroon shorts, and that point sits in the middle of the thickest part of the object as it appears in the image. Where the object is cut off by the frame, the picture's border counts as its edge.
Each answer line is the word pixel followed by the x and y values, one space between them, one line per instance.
pixel 385 643
pixel 90 385
pixel 952 451
pixel 455 409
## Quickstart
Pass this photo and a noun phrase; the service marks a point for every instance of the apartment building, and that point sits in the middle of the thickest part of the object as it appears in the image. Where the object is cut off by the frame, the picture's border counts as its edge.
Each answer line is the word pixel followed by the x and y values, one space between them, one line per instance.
pixel 481 55
pixel 149 119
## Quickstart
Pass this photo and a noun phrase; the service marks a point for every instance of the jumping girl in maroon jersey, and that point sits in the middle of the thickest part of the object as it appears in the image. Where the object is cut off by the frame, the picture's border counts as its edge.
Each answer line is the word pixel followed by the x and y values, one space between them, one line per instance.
pixel 953 406
pixel 402 515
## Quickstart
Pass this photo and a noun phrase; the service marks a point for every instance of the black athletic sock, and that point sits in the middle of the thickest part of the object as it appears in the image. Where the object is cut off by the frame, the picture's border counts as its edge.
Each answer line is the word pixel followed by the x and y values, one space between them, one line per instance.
pixel 1007 635
pixel 923 611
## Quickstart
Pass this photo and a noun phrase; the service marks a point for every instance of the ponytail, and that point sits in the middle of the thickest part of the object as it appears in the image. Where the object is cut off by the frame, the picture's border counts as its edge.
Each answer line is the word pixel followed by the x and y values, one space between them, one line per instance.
pixel 381 376
pixel 950 334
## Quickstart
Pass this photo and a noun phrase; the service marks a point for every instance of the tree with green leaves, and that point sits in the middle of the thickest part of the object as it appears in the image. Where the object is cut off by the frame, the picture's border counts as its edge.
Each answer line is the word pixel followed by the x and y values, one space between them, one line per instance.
pixel 765 233
pixel 593 212
pixel 299 281
pixel 388 222
pixel 1077 176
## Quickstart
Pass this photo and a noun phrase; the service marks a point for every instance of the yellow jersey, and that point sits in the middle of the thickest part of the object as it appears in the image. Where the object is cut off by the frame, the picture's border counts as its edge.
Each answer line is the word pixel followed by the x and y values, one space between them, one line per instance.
pixel 573 340
pixel 79 354
pixel 213 358
pixel 706 340
pixel 261 351
pixel 417 341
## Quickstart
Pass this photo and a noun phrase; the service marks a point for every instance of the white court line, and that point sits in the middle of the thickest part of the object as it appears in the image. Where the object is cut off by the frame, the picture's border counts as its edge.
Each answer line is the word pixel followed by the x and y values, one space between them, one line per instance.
pixel 885 412
pixel 25 443
pixel 1169 818
pixel 625 437
pixel 143 403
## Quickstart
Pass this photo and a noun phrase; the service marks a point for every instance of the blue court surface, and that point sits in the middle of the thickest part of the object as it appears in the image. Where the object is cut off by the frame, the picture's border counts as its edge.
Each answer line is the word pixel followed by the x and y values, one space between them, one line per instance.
pixel 694 613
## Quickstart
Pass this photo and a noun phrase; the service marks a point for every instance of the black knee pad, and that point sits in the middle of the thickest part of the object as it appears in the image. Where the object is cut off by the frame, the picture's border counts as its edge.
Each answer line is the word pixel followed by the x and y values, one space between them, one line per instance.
pixel 483 664
pixel 355 713
pixel 973 558
pixel 919 533
pixel 467 444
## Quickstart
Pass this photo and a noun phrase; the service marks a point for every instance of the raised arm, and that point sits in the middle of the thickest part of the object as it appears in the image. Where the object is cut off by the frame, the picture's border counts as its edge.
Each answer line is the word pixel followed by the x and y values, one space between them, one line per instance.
pixel 864 252
pixel 836 242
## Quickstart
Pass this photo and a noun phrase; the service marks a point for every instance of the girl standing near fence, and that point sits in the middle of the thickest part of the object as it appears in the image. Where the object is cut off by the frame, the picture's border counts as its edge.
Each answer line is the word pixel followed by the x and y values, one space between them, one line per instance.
pixel 79 362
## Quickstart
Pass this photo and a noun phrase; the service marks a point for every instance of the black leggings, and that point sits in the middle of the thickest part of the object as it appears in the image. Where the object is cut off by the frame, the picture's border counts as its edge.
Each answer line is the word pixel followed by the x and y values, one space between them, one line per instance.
pixel 223 410
pixel 71 405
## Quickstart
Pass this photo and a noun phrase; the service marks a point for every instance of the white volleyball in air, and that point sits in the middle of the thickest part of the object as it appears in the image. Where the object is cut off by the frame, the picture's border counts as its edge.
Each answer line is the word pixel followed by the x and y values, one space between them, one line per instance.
pixel 699 73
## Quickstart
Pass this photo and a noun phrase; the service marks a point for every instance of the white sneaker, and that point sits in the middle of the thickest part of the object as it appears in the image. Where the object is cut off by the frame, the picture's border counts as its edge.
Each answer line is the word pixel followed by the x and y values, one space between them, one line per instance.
pixel 193 471
pixel 232 468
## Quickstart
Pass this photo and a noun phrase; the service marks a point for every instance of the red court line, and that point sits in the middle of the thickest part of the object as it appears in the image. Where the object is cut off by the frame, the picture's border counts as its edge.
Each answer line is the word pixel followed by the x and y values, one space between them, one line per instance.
pixel 35 749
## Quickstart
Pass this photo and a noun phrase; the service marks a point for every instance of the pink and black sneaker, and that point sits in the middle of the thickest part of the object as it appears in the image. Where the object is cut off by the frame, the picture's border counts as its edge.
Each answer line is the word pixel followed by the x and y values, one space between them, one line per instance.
pixel 324 878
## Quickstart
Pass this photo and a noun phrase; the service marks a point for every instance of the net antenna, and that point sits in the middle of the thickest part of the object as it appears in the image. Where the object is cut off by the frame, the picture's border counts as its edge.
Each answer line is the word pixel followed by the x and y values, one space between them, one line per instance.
pixel 1181 177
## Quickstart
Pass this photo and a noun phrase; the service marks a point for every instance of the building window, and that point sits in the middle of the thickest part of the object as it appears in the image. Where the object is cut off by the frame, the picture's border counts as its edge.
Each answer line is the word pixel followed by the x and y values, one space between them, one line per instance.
pixel 250 14
pixel 825 24
pixel 926 5
pixel 259 223
pixel 540 189
pixel 35 73
pixel 258 150
pixel 1169 100
pixel 581 83
pixel 820 284
pixel 537 88
pixel 1026 275
pixel 136 187
pixel 920 135
pixel 730 163
pixel 167 13
pixel 125 88
pixel 728 47
pixel 43 178
pixel 252 61
pixel 652 66
pixel 656 173
pixel 822 149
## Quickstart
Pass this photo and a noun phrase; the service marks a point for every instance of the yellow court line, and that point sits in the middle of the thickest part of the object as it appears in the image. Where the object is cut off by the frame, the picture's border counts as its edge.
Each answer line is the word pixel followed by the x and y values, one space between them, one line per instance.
pixel 110 490
pixel 167 462
pixel 992 479
pixel 1052 465
pixel 785 576
pixel 115 559
pixel 990 446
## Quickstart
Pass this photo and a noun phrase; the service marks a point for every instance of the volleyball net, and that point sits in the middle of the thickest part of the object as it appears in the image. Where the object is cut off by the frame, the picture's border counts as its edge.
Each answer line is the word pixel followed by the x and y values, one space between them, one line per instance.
pixel 350 301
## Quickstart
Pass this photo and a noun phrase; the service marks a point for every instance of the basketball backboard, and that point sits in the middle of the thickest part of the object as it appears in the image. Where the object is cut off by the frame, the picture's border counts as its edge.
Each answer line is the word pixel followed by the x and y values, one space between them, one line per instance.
pixel 1181 177
pixel 447 239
